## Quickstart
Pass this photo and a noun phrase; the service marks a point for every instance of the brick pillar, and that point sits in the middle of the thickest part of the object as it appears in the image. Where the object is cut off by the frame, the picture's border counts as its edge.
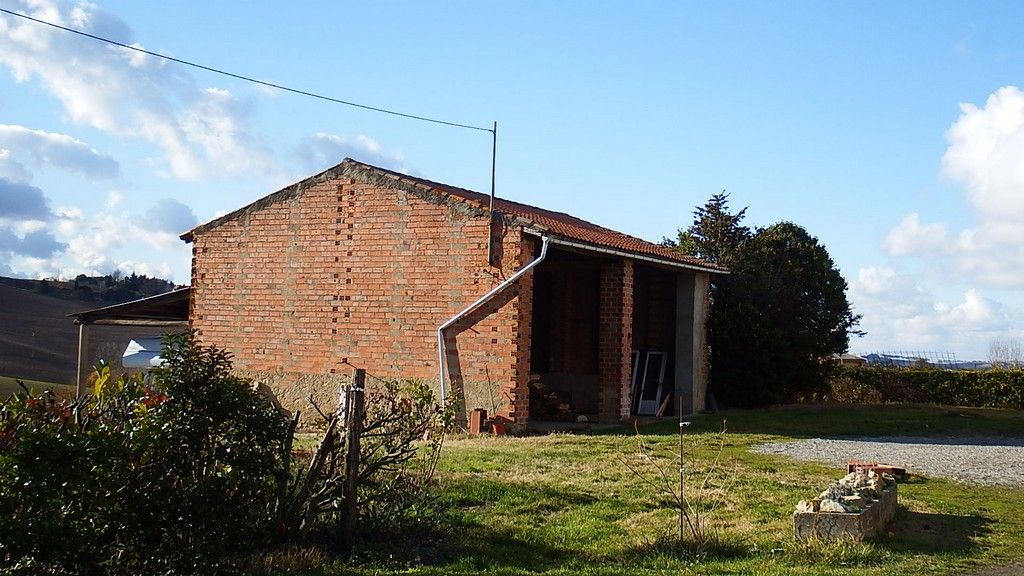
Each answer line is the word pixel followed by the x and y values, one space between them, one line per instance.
pixel 518 387
pixel 615 345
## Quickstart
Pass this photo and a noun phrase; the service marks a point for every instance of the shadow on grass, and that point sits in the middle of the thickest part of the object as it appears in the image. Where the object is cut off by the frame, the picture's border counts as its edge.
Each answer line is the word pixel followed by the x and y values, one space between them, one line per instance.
pixel 817 420
pixel 473 548
pixel 479 548
pixel 484 525
pixel 931 533
pixel 720 547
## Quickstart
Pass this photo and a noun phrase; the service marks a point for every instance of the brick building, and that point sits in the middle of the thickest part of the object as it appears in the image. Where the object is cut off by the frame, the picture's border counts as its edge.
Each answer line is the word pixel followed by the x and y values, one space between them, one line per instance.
pixel 360 266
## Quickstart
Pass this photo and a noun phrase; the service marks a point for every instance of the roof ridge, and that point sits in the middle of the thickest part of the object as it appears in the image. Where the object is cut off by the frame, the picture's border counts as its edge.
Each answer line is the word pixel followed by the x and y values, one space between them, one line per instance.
pixel 550 221
pixel 497 199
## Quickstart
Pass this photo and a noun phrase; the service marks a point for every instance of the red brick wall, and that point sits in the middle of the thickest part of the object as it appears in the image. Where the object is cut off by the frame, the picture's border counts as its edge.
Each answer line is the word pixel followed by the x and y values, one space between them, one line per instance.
pixel 615 346
pixel 348 274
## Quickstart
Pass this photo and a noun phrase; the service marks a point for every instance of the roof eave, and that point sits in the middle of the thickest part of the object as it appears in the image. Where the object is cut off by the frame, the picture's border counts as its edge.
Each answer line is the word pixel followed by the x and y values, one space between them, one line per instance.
pixel 109 314
pixel 556 240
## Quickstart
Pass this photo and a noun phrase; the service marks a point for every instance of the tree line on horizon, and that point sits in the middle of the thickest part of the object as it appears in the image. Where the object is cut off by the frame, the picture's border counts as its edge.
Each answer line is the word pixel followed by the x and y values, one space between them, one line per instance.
pixel 110 288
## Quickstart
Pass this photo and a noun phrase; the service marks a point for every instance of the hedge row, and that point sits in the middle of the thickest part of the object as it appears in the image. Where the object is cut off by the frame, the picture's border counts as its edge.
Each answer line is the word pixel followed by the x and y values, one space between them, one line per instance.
pixel 984 389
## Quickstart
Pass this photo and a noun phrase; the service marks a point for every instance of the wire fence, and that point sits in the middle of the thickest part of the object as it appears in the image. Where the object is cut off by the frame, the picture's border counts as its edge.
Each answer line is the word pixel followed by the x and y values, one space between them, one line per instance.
pixel 912 359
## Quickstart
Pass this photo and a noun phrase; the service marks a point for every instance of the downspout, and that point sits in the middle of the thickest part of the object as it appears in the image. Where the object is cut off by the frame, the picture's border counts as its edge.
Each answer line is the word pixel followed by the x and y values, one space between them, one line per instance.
pixel 441 352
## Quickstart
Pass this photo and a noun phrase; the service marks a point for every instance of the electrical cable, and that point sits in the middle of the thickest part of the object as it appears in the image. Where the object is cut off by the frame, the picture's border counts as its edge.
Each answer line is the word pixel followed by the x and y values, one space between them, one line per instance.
pixel 247 78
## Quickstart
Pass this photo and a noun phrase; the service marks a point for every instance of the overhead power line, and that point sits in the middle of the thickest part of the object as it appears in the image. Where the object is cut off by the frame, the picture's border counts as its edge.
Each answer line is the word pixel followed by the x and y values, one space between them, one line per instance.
pixel 250 79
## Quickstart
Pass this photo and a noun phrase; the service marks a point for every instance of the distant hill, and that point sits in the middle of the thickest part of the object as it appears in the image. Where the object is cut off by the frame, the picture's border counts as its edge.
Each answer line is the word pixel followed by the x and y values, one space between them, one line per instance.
pixel 37 339
pixel 102 290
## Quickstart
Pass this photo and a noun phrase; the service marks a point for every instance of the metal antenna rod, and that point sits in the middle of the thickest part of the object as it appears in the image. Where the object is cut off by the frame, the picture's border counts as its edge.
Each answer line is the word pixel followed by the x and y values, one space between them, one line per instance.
pixel 490 213
pixel 494 159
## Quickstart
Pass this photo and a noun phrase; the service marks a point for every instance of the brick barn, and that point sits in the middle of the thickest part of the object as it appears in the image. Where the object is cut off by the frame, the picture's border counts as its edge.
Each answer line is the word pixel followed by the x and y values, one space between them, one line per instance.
pixel 359 266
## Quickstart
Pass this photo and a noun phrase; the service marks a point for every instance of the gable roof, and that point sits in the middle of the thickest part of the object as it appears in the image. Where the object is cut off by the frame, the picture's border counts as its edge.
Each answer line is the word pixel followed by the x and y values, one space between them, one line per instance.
pixel 557 225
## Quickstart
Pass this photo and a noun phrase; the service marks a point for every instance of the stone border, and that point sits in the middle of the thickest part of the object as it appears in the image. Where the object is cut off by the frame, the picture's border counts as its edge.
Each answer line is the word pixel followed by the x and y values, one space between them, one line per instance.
pixel 862 525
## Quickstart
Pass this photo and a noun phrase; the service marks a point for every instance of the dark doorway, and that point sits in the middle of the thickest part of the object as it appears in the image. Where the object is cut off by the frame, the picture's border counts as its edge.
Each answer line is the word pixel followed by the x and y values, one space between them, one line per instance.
pixel 566 305
pixel 654 342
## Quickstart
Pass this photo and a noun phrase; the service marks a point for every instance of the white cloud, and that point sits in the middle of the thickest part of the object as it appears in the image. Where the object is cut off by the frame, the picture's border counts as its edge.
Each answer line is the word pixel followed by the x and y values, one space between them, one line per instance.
pixel 986 156
pixel 139 59
pixel 127 93
pixel 901 315
pixel 161 270
pixel 323 150
pixel 986 148
pixel 11 169
pixel 887 293
pixel 28 227
pixel 70 220
pixel 947 305
pixel 219 123
pixel 912 237
pixel 37 268
pixel 170 216
pixel 59 150
pixel 976 313
pixel 94 243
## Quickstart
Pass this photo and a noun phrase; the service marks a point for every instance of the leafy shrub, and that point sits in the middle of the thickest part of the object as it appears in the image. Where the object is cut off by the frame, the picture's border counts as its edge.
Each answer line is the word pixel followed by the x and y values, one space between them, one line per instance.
pixel 987 389
pixel 60 464
pixel 135 480
pixel 196 476
pixel 209 454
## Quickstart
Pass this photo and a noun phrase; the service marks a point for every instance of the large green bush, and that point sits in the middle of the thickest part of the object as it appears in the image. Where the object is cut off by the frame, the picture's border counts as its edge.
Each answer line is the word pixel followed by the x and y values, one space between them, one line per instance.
pixel 985 389
pixel 196 475
pixel 776 316
pixel 142 481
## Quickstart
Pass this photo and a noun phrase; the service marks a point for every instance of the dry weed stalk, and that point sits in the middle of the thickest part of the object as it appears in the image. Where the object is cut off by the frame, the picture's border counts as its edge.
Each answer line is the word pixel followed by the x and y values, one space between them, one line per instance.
pixel 697 507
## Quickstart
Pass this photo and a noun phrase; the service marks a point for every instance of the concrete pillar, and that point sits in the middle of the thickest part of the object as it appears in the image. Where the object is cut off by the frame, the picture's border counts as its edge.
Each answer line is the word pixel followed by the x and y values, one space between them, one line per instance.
pixel 691 339
pixel 615 339
pixel 84 369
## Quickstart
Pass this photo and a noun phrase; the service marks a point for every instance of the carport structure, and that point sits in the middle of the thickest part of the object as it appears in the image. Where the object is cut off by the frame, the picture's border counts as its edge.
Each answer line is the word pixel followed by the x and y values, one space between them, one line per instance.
pixel 167 310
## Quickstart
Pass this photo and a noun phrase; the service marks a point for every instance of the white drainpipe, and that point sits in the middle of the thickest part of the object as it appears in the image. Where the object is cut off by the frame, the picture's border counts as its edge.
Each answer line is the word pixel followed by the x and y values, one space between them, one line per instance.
pixel 441 352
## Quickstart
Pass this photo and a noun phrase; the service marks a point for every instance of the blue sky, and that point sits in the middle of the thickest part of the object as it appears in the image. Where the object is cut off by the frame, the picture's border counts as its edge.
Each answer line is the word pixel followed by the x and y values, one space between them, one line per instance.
pixel 892 132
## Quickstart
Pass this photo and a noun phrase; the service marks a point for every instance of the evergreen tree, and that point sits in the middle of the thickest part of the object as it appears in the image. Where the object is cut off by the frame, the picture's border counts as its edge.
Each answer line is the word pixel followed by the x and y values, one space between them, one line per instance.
pixel 780 314
pixel 716 235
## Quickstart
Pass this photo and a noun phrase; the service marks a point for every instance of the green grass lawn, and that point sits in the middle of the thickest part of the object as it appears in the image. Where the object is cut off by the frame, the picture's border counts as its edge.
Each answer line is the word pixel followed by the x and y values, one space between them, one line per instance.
pixel 10 385
pixel 567 504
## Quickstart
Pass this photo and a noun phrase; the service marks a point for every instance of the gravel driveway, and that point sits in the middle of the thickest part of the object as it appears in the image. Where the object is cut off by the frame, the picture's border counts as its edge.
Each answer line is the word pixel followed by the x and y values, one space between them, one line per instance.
pixel 987 461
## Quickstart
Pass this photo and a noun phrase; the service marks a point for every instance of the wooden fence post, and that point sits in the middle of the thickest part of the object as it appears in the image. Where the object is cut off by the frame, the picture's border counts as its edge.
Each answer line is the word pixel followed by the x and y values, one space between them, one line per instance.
pixel 353 428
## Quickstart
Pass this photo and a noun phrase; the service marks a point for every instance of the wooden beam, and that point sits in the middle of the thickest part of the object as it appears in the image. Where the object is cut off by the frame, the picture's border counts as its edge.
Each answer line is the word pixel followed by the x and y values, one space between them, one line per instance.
pixel 142 322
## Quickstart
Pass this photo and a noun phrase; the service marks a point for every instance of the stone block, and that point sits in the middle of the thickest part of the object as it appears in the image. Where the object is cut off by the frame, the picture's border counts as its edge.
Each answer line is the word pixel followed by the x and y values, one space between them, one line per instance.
pixel 862 525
